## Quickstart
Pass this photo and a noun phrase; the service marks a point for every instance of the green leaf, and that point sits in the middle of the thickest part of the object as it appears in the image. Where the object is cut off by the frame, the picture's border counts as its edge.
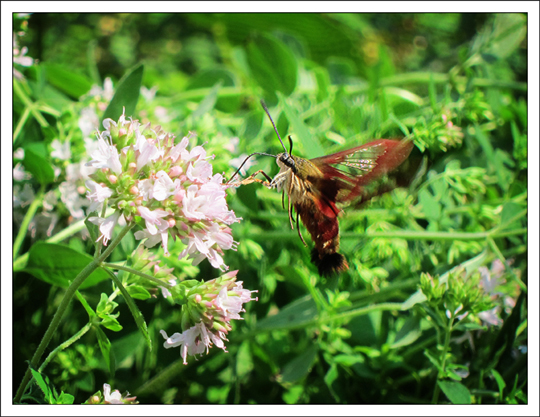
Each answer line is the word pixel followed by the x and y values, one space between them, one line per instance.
pixel 138 292
pixel 42 384
pixel 416 298
pixel 135 312
pixel 430 206
pixel 93 229
pixel 323 83
pixel 510 215
pixel 456 392
pixel 300 366
pixel 105 306
pixel 433 360
pixel 89 310
pixel 252 125
pixel 74 85
pixel 244 362
pixel 106 351
pixel 500 382
pixel 272 64
pixel 207 104
pixel 329 379
pixel 210 78
pixel 40 168
pixel 65 398
pixel 409 332
pixel 127 95
pixel 111 323
pixel 311 144
pixel 59 265
pixel 509 30
pixel 295 314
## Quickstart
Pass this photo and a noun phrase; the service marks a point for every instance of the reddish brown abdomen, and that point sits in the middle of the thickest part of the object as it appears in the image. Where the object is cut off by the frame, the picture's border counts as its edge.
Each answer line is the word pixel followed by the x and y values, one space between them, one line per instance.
pixel 324 231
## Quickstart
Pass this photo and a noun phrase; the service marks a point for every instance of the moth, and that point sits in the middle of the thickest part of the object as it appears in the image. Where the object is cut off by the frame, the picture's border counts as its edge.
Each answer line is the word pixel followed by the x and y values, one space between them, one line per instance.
pixel 314 187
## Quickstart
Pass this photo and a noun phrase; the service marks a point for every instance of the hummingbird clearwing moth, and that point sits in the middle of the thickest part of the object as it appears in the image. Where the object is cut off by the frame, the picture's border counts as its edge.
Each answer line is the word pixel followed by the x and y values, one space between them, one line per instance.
pixel 315 186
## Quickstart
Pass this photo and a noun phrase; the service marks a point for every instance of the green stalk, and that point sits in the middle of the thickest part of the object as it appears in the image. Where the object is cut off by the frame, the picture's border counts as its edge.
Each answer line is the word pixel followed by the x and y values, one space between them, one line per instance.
pixel 443 363
pixel 21 123
pixel 398 234
pixel 76 227
pixel 26 221
pixel 70 292
pixel 156 281
pixel 65 345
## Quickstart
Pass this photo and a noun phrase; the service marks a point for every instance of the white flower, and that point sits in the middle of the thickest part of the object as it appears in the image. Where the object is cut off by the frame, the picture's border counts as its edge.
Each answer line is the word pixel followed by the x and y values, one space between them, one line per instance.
pixel 164 187
pixel 22 197
pixel 61 150
pixel 230 302
pixel 165 292
pixel 19 153
pixel 492 316
pixel 148 93
pixel 106 226
pixel 193 341
pixel 230 305
pixel 162 236
pixel 192 204
pixel 19 174
pixel 72 199
pixel 111 398
pixel 88 122
pixel 177 150
pixel 153 219
pixel 199 171
pixel 106 156
pixel 147 152
pixel 97 194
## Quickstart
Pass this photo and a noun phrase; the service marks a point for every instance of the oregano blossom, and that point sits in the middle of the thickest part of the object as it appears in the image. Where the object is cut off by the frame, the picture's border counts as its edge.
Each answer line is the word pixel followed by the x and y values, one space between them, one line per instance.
pixel 167 188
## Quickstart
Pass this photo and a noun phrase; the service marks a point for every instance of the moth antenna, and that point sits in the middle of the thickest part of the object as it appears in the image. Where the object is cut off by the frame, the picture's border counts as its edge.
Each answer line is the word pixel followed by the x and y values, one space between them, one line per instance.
pixel 273 124
pixel 290 141
pixel 245 160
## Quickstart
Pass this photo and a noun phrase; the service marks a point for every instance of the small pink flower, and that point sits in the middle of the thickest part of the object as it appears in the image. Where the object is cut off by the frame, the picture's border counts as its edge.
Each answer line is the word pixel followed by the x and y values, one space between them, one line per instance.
pixel 97 194
pixel 164 187
pixel 106 156
pixel 106 226
pixel 153 218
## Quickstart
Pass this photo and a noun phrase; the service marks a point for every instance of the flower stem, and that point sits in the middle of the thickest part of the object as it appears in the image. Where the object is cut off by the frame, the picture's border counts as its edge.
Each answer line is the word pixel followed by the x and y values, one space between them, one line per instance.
pixel 156 281
pixel 38 200
pixel 65 345
pixel 443 362
pixel 400 234
pixel 70 292
pixel 76 227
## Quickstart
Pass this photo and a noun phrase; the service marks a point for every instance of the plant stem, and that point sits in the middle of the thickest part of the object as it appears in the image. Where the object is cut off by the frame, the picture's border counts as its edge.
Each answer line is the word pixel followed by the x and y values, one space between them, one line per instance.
pixel 76 227
pixel 443 362
pixel 399 234
pixel 499 255
pixel 156 281
pixel 38 200
pixel 70 292
pixel 65 345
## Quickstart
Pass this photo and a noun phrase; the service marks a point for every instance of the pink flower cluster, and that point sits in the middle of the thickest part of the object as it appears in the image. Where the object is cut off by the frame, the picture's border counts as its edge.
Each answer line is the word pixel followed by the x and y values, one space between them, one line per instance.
pixel 171 190
pixel 211 305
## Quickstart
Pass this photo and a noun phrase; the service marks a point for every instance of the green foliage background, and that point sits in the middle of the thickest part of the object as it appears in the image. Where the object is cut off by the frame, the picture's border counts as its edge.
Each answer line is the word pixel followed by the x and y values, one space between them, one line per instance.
pixel 332 81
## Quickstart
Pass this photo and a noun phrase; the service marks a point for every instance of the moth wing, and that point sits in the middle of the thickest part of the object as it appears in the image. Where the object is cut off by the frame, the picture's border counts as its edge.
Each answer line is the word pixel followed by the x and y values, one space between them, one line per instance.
pixel 346 174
